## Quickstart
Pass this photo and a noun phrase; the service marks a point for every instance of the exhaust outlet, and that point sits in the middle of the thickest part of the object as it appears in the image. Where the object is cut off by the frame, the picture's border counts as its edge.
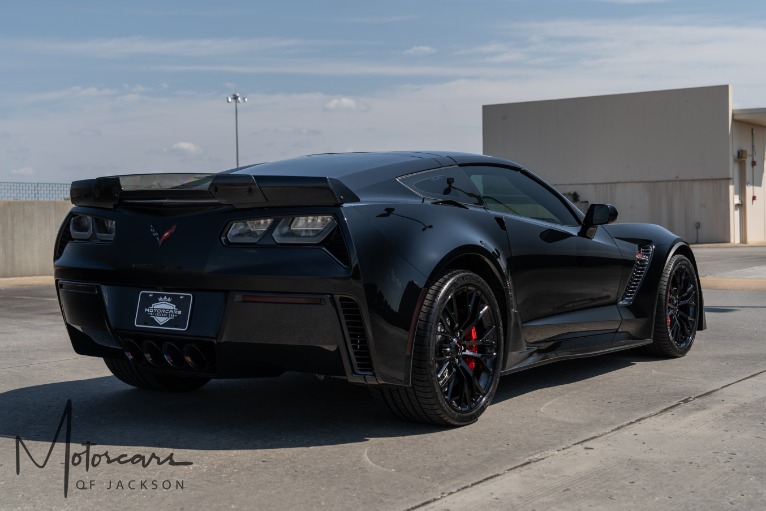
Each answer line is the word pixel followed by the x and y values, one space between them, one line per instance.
pixel 173 355
pixel 153 354
pixel 133 352
pixel 195 358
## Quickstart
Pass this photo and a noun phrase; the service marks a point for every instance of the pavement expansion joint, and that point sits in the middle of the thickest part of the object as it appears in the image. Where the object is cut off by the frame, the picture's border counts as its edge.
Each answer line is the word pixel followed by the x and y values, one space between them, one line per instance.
pixel 548 454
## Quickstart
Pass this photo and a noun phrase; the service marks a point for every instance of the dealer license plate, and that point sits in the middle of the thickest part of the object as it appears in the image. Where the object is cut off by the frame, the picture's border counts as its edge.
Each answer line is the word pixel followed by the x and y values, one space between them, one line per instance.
pixel 170 311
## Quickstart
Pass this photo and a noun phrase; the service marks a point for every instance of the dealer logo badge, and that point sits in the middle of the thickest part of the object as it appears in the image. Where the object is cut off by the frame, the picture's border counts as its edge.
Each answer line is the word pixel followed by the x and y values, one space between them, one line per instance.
pixel 169 311
pixel 163 310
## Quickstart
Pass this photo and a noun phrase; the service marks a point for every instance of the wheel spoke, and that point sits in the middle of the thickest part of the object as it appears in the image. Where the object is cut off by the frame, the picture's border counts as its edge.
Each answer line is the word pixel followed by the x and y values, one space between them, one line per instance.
pixel 453 311
pixel 685 332
pixel 480 356
pixel 443 376
pixel 465 394
pixel 450 390
pixel 688 293
pixel 471 307
pixel 448 321
pixel 483 310
pixel 483 341
pixel 478 390
pixel 685 316
pixel 674 328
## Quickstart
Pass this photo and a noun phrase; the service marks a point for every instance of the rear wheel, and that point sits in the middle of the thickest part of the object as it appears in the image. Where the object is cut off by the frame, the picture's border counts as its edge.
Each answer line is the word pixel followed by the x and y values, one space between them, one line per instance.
pixel 675 321
pixel 137 376
pixel 456 356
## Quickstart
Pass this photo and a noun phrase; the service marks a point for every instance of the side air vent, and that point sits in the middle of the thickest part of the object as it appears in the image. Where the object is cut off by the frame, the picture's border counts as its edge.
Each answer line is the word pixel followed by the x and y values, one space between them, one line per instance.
pixel 356 335
pixel 337 247
pixel 643 258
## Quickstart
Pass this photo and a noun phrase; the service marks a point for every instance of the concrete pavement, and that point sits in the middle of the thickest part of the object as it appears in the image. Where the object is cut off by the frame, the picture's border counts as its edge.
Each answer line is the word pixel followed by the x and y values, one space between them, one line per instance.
pixel 614 432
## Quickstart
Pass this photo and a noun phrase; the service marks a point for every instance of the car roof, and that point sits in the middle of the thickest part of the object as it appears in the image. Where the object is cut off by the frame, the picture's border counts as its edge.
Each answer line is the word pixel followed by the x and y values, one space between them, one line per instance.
pixel 368 175
pixel 340 165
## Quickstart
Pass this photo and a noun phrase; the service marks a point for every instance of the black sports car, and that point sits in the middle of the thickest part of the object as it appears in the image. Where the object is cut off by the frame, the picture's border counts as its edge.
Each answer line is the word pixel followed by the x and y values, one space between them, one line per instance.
pixel 423 275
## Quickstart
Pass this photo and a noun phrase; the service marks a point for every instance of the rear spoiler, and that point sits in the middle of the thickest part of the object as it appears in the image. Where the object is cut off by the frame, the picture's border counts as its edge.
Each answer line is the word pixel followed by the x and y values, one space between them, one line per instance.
pixel 239 190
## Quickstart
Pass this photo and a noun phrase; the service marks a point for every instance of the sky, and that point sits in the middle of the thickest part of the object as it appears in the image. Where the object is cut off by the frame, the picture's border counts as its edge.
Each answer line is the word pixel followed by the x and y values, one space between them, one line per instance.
pixel 91 88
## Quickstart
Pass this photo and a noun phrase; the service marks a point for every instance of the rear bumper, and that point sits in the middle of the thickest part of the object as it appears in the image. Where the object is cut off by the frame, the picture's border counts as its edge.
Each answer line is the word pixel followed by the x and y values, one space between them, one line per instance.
pixel 230 333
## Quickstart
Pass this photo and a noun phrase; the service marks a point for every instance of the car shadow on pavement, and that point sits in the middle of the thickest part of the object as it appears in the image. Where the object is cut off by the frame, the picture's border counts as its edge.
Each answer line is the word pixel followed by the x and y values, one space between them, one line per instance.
pixel 294 410
pixel 563 373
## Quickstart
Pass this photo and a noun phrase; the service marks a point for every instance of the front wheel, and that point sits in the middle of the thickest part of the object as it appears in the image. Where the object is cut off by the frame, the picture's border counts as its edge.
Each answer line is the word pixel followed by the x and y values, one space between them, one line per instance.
pixel 457 354
pixel 675 320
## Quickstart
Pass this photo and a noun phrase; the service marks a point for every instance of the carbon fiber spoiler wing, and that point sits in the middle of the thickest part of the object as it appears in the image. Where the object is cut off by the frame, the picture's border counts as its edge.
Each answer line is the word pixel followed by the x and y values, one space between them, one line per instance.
pixel 239 190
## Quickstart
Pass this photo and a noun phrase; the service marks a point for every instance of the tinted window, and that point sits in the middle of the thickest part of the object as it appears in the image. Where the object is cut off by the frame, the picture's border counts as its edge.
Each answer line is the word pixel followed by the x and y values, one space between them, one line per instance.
pixel 447 183
pixel 509 191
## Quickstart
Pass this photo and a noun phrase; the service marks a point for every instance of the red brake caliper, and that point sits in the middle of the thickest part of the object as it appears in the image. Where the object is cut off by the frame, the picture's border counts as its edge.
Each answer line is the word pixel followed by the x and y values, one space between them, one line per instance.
pixel 667 301
pixel 471 362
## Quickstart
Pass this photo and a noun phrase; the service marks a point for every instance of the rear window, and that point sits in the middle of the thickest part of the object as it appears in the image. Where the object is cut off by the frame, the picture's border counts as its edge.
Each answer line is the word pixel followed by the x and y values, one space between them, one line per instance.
pixel 448 183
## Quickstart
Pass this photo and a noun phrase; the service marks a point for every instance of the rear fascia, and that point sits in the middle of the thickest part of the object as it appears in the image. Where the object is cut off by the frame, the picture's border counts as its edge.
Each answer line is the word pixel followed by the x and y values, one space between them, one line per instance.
pixel 248 293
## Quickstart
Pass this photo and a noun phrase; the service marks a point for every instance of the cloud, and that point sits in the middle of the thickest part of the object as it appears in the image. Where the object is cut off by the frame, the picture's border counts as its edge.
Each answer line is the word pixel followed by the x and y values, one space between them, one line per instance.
pixel 346 104
pixel 135 88
pixel 633 1
pixel 406 105
pixel 23 171
pixel 186 148
pixel 377 19
pixel 71 93
pixel 87 132
pixel 292 130
pixel 112 48
pixel 420 50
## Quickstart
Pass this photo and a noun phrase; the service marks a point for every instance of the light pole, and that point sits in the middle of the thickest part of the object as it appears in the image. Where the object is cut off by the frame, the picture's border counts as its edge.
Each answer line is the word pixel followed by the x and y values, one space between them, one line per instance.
pixel 236 98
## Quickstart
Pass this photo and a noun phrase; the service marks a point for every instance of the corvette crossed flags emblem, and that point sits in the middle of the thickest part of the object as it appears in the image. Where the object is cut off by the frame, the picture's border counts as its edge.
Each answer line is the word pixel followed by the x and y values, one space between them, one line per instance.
pixel 165 236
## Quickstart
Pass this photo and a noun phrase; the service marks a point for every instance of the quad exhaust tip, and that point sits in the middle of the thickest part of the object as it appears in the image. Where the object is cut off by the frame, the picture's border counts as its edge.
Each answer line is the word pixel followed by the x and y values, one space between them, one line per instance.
pixel 194 357
pixel 166 355
pixel 153 354
pixel 173 355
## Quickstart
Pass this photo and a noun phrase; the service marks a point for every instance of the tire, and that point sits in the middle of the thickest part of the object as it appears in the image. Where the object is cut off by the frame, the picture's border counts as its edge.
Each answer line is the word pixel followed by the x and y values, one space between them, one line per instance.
pixel 457 353
pixel 137 376
pixel 676 314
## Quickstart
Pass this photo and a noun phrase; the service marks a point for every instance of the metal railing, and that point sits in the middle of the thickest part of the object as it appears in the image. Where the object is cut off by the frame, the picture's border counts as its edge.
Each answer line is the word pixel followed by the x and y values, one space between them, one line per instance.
pixel 34 191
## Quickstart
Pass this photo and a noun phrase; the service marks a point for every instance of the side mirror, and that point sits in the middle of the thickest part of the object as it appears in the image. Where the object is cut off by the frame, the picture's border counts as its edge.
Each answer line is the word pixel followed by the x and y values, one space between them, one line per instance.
pixel 597 214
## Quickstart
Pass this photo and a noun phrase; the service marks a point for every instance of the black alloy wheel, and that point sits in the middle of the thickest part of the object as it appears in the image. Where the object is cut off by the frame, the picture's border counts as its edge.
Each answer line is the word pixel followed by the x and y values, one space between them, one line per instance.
pixel 675 322
pixel 457 354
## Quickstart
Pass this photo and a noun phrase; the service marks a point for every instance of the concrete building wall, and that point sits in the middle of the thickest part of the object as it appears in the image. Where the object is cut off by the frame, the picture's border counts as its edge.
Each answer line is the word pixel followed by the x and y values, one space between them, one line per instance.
pixel 648 136
pixel 28 232
pixel 661 157
pixel 668 205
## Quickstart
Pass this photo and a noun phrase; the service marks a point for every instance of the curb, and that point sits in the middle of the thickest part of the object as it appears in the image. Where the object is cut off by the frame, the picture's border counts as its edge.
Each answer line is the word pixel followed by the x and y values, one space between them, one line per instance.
pixel 733 284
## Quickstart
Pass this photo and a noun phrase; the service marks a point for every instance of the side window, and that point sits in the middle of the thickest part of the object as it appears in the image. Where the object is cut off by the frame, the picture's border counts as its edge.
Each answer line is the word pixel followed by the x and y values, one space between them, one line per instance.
pixel 509 191
pixel 448 183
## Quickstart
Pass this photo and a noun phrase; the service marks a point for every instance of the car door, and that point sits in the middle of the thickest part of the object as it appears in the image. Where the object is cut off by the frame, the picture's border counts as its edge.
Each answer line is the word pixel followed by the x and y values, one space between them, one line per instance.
pixel 565 285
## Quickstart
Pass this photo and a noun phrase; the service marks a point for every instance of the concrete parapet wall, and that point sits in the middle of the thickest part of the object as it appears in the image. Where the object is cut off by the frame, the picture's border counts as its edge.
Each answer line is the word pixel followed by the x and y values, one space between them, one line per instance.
pixel 27 234
pixel 675 205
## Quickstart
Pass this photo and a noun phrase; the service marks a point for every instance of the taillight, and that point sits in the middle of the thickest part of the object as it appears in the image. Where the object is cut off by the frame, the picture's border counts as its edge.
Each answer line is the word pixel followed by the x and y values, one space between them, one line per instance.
pixel 248 231
pixel 81 227
pixel 86 227
pixel 304 229
pixel 289 230
pixel 105 228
